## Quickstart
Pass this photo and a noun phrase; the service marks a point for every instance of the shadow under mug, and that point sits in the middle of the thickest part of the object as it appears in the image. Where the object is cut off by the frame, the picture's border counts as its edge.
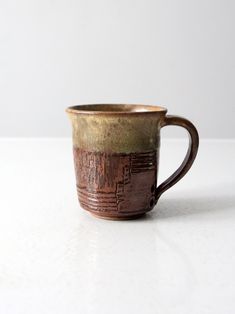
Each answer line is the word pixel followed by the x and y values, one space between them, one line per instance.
pixel 116 153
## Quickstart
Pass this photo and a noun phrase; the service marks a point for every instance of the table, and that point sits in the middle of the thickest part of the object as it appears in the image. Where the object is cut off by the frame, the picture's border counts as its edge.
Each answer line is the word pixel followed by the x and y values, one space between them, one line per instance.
pixel 57 258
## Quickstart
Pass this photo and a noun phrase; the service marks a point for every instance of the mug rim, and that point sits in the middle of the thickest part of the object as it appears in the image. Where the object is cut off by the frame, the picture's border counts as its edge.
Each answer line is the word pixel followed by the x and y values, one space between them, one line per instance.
pixel 115 109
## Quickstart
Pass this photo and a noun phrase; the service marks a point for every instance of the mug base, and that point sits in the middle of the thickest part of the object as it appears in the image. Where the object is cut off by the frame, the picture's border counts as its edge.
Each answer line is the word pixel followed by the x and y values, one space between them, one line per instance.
pixel 111 217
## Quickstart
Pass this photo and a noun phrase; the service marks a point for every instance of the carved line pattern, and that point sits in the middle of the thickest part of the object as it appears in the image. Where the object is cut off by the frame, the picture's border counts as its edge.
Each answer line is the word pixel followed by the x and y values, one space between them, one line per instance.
pixel 110 201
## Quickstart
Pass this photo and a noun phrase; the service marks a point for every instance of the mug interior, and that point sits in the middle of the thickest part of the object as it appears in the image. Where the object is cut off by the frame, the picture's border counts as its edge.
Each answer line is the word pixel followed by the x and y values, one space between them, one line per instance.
pixel 115 108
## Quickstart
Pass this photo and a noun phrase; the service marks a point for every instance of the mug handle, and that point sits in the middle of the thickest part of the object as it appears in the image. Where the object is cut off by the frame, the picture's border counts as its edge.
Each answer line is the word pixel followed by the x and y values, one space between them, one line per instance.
pixel 189 158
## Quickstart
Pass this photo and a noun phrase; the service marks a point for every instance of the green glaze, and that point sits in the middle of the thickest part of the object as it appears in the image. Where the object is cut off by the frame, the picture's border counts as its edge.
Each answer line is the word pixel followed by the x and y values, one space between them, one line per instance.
pixel 116 131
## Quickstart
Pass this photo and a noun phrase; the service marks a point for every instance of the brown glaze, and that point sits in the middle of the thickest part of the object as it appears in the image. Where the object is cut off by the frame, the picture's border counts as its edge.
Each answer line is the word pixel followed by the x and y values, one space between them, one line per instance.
pixel 190 156
pixel 116 184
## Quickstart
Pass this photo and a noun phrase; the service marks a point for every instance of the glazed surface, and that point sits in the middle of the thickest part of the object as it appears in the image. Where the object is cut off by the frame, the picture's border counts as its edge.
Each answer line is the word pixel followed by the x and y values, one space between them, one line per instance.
pixel 116 134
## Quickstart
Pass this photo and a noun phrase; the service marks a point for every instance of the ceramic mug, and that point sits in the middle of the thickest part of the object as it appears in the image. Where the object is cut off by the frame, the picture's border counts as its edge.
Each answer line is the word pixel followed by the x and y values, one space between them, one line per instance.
pixel 116 154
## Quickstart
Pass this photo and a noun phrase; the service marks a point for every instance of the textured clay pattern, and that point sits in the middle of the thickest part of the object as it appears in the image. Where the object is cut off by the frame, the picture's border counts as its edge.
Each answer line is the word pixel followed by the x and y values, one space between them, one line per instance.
pixel 116 183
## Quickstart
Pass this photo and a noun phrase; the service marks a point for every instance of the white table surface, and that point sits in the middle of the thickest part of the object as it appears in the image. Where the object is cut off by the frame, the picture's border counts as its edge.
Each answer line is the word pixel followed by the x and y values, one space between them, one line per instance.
pixel 56 258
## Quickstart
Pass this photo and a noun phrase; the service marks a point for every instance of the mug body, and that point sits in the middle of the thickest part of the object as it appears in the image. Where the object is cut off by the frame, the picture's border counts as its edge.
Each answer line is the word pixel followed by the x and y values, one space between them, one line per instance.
pixel 116 153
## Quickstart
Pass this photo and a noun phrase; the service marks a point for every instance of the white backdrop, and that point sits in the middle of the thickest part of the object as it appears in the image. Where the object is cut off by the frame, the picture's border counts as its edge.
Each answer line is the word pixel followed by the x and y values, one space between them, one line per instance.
pixel 57 53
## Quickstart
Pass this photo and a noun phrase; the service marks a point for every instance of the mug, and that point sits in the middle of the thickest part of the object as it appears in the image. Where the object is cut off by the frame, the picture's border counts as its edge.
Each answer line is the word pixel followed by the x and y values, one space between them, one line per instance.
pixel 116 154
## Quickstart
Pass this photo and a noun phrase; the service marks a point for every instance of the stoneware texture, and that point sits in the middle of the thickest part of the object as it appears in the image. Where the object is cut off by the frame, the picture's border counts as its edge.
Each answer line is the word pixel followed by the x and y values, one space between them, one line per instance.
pixel 116 153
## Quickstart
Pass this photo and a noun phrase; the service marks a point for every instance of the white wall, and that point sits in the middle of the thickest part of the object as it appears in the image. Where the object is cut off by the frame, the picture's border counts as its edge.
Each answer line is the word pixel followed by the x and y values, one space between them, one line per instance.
pixel 179 53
